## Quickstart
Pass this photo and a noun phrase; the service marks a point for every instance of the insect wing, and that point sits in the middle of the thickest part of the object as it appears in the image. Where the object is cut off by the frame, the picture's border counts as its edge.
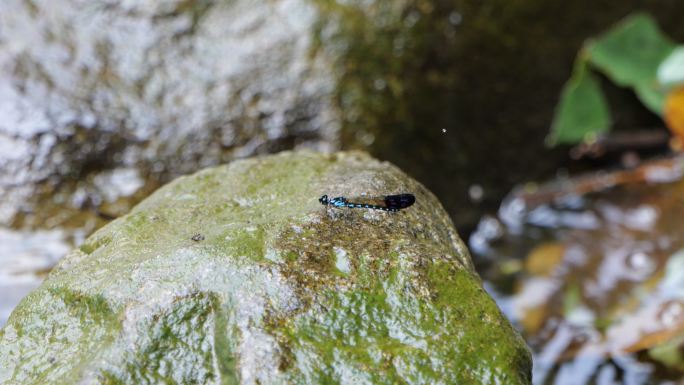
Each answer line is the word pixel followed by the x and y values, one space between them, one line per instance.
pixel 400 201
pixel 368 200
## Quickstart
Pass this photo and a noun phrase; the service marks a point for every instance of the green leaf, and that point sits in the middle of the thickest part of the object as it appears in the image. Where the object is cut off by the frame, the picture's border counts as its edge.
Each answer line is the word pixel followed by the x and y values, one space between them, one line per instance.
pixel 582 111
pixel 652 96
pixel 669 353
pixel 630 54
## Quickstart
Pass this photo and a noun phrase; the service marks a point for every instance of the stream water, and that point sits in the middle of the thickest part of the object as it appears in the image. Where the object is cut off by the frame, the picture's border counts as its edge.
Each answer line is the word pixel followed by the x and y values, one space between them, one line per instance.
pixel 595 281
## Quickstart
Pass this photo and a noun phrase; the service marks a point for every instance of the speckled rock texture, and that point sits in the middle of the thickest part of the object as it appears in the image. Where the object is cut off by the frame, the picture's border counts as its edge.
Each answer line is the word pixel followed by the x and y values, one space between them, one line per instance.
pixel 237 274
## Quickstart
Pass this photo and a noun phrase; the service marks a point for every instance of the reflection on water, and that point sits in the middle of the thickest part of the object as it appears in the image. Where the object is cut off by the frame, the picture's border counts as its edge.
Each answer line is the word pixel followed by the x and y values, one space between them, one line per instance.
pixel 25 258
pixel 594 280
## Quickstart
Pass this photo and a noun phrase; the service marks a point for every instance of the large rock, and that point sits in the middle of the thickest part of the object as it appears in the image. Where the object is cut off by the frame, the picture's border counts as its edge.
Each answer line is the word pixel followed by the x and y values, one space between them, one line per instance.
pixel 237 274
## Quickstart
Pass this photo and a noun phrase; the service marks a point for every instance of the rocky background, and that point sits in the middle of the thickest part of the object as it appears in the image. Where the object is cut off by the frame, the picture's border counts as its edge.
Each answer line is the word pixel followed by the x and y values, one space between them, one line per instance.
pixel 102 99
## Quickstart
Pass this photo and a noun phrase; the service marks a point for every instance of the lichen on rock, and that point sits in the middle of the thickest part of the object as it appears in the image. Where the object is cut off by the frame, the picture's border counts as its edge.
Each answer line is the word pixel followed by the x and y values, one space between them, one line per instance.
pixel 277 290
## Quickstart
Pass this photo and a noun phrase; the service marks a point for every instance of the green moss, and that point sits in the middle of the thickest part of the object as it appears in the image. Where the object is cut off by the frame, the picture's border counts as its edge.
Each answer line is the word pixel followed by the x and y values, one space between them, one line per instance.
pixel 74 329
pixel 388 335
pixel 94 242
pixel 85 307
pixel 459 296
pixel 225 345
pixel 174 349
pixel 248 242
pixel 393 330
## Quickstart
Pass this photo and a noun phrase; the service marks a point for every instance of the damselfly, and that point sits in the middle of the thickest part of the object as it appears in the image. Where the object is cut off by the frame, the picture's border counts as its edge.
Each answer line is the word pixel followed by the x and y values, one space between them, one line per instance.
pixel 385 203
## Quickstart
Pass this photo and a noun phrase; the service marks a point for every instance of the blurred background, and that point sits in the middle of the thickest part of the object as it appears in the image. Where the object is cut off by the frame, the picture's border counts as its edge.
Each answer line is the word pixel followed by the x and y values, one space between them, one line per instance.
pixel 549 131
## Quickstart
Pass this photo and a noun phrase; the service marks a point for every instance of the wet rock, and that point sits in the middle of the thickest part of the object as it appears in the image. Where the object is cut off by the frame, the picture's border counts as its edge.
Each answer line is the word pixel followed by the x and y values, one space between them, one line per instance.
pixel 280 290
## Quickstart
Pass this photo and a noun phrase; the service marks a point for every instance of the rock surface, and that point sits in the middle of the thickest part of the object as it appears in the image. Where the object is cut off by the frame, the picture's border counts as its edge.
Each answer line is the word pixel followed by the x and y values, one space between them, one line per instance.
pixel 237 274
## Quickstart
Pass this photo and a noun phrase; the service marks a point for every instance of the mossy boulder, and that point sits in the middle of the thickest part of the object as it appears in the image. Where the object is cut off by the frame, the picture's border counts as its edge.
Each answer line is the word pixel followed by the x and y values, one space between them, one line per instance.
pixel 237 274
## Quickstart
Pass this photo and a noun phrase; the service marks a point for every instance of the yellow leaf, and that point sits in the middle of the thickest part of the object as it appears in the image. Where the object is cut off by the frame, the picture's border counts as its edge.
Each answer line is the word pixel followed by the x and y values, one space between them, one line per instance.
pixel 674 112
pixel 544 258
